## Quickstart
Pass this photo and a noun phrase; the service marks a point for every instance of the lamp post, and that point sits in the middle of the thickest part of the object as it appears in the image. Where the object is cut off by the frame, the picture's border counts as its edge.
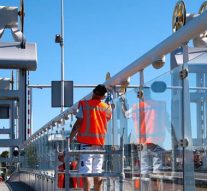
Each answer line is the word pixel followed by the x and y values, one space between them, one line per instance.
pixel 60 39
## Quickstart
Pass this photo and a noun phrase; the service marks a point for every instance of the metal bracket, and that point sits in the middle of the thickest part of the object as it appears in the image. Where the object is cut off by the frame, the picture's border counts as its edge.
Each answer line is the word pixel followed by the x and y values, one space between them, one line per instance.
pixel 183 143
pixel 121 89
pixel 183 73
pixel 113 106
pixel 138 147
pixel 140 94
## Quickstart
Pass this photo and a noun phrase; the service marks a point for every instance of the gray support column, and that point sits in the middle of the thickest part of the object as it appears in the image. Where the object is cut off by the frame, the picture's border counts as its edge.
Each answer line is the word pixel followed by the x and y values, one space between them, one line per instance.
pixel 22 105
pixel 205 114
pixel 116 134
pixel 200 107
pixel 12 118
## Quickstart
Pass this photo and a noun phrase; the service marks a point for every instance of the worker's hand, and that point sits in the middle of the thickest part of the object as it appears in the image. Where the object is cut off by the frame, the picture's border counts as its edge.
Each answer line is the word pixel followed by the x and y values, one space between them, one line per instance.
pixel 74 111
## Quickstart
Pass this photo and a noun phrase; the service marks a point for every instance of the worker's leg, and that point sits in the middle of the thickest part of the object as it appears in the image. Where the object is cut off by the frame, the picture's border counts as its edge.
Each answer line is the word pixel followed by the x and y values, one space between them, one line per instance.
pixel 97 168
pixel 86 184
pixel 97 183
pixel 85 166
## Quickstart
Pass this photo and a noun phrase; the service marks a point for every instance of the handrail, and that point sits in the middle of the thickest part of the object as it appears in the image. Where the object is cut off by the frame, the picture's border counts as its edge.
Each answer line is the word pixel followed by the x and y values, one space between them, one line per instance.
pixel 187 32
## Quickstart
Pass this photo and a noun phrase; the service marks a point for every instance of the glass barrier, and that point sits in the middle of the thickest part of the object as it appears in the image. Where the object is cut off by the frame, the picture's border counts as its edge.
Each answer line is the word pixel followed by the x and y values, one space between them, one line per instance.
pixel 163 136
pixel 197 79
pixel 151 158
pixel 40 153
pixel 150 121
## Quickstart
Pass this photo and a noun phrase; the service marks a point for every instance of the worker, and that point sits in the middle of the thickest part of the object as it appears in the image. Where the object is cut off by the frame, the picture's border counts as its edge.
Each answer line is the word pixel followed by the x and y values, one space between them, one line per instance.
pixel 61 169
pixel 76 182
pixel 91 128
pixel 73 182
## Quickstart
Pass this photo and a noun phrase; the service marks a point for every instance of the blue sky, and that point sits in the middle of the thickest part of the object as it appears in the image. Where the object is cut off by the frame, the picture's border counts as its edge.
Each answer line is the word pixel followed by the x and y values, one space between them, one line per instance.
pixel 100 36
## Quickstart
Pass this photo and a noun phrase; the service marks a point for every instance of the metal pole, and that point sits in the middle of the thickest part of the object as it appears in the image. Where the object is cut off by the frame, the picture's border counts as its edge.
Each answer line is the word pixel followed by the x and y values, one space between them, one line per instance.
pixel 62 56
pixel 122 174
pixel 141 82
pixel 74 86
pixel 188 173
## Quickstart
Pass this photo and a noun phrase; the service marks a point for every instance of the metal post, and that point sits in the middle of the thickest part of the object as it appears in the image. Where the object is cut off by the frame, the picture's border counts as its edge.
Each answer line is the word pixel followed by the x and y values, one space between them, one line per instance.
pixel 141 82
pixel 62 56
pixel 67 174
pixel 122 175
pixel 188 167
pixel 113 119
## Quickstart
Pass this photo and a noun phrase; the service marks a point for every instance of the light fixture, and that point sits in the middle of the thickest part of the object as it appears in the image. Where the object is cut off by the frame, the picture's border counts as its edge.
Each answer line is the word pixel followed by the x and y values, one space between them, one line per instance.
pixel 16 151
pixel 58 38
pixel 158 62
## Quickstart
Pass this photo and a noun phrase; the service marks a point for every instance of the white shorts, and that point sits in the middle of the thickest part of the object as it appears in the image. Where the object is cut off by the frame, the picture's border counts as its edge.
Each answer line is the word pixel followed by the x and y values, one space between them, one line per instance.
pixel 90 163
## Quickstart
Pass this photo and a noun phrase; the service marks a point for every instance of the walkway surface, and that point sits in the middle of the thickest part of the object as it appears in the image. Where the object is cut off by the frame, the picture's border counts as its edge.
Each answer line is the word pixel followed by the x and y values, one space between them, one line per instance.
pixel 4 187
pixel 18 186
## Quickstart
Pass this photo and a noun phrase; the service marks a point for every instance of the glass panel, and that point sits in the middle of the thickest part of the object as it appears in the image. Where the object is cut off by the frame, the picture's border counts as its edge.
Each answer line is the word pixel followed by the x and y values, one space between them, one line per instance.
pixel 40 153
pixel 153 125
pixel 189 179
pixel 151 129
pixel 198 107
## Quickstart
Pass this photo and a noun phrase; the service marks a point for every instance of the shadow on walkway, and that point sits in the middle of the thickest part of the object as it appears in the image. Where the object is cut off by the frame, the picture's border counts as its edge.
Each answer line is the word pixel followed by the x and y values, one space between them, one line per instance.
pixel 19 186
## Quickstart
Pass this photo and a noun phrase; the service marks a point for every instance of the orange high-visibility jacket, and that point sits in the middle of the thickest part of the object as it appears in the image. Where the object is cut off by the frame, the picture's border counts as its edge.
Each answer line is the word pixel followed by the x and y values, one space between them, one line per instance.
pixel 96 114
pixel 149 118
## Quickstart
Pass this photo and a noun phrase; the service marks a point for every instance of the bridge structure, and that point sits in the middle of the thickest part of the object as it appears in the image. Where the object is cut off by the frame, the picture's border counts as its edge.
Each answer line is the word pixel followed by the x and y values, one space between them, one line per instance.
pixel 178 99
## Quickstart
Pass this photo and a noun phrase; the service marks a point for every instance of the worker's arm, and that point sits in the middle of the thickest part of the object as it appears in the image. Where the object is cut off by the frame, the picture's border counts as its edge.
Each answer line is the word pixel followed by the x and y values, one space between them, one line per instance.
pixel 109 113
pixel 76 126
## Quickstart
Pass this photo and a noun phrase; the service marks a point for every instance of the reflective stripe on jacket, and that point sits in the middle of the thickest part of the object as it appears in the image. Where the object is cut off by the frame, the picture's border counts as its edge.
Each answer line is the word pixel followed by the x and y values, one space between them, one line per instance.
pixel 94 126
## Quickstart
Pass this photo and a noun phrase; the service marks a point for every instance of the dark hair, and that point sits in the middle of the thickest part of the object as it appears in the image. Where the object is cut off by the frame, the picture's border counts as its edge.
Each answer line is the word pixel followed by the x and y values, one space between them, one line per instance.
pixel 100 90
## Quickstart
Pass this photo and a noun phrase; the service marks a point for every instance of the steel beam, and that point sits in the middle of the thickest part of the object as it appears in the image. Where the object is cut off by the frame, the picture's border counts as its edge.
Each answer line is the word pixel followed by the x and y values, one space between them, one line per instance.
pixel 9 142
